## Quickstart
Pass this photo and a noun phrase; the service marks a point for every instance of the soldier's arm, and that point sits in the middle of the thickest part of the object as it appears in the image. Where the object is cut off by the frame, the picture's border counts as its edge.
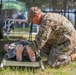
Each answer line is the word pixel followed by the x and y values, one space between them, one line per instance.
pixel 35 44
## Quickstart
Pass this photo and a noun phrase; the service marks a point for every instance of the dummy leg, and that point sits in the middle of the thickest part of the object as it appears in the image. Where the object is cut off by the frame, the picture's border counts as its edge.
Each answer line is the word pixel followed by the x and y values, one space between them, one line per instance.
pixel 19 51
pixel 31 53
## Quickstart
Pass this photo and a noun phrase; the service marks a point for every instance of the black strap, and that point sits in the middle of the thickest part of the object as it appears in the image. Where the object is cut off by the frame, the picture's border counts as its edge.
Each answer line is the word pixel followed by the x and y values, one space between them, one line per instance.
pixel 30 33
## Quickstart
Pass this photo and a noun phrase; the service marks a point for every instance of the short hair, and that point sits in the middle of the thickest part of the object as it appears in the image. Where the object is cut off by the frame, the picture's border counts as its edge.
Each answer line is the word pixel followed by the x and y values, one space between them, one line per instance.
pixel 32 11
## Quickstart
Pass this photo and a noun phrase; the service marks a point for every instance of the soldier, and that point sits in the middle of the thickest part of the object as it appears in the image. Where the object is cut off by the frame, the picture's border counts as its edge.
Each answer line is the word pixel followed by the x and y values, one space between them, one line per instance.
pixel 56 37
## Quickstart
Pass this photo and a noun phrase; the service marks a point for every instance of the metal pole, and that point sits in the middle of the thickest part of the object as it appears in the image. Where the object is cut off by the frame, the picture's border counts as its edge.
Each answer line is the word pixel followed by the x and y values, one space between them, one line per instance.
pixel 0 7
pixel 30 33
pixel 1 33
pixel 65 3
pixel 1 1
pixel 8 3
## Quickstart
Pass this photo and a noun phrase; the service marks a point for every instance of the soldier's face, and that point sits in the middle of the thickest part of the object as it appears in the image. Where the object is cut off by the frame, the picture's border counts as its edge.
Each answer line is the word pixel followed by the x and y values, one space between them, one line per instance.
pixel 36 19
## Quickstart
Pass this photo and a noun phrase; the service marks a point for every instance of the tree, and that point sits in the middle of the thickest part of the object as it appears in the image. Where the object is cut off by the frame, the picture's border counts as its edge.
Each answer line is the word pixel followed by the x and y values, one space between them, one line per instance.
pixel 54 4
pixel 39 3
pixel 14 5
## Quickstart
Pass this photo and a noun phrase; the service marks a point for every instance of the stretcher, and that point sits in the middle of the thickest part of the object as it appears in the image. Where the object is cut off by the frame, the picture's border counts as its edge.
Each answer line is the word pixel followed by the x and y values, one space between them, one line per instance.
pixel 7 62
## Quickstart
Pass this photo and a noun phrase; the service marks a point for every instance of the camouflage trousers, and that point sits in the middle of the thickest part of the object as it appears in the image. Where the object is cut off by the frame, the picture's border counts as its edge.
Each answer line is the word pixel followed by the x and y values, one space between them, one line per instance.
pixel 59 55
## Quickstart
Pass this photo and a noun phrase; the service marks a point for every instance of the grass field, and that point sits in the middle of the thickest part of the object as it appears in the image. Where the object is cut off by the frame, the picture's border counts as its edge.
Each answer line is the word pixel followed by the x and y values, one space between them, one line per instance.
pixel 63 70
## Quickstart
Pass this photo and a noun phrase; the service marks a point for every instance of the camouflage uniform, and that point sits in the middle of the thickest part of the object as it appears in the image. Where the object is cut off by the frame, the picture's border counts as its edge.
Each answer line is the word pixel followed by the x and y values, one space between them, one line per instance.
pixel 58 34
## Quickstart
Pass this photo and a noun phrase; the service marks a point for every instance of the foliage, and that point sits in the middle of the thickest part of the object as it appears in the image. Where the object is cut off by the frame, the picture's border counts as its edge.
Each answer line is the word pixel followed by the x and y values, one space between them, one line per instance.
pixel 39 3
pixel 14 5
pixel 54 4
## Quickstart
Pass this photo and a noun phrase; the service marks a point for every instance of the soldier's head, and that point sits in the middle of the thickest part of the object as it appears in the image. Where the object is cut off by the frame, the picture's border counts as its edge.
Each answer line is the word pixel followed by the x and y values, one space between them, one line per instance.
pixel 34 15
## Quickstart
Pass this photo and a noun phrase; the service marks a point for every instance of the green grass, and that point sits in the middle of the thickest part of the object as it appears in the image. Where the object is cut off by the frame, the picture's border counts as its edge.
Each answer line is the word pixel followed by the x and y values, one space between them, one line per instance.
pixel 69 69
pixel 64 70
pixel 18 29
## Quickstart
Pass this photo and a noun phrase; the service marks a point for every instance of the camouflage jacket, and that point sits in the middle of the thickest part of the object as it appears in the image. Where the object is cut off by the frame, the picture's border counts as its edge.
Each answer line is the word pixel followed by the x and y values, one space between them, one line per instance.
pixel 54 30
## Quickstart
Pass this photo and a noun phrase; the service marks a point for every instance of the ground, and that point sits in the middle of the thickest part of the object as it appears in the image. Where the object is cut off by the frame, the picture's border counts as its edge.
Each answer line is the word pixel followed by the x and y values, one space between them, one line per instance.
pixel 69 69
